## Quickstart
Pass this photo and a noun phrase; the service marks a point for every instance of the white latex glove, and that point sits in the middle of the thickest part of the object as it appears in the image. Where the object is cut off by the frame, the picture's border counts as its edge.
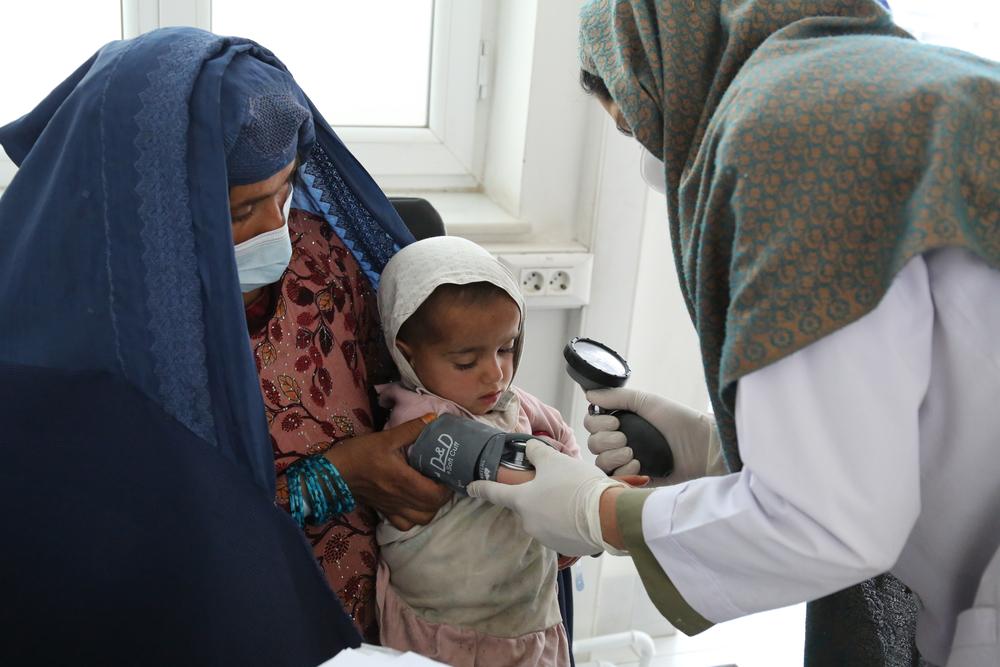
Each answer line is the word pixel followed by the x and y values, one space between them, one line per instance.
pixel 560 506
pixel 693 438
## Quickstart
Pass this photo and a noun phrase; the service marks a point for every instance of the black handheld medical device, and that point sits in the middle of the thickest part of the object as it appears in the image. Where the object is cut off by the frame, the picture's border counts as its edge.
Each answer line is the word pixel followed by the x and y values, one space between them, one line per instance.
pixel 594 365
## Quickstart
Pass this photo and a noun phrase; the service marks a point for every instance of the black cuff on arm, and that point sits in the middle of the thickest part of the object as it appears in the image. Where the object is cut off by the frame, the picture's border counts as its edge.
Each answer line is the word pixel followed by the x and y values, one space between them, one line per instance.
pixel 457 450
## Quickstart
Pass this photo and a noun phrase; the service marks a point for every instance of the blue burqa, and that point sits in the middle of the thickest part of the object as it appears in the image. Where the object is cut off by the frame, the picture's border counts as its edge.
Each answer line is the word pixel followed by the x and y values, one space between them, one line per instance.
pixel 137 474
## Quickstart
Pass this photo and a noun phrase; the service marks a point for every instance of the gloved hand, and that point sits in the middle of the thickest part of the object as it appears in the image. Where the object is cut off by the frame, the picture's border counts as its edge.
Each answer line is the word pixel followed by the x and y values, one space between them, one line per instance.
pixel 559 507
pixel 692 435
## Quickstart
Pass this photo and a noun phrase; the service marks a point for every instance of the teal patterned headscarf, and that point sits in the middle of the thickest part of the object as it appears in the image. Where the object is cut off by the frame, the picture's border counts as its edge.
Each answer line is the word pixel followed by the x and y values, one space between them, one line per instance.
pixel 811 148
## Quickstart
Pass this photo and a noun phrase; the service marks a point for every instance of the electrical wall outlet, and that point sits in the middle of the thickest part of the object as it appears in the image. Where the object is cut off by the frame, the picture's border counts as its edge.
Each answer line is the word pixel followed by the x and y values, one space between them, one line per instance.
pixel 560 282
pixel 552 280
pixel 532 282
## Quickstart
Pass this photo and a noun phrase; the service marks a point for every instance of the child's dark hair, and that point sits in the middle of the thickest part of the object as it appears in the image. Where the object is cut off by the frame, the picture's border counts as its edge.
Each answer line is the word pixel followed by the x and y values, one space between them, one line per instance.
pixel 594 85
pixel 420 326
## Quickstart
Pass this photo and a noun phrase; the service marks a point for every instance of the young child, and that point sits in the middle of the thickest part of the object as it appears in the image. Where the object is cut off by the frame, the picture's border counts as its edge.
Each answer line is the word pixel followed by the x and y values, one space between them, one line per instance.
pixel 471 587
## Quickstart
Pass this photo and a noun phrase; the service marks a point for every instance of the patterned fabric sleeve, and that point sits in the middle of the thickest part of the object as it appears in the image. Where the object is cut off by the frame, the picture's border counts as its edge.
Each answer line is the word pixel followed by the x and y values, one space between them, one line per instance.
pixel 311 360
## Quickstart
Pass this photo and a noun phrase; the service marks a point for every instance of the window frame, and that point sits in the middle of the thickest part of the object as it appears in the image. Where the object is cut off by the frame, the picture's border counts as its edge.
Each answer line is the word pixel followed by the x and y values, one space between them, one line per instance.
pixel 445 155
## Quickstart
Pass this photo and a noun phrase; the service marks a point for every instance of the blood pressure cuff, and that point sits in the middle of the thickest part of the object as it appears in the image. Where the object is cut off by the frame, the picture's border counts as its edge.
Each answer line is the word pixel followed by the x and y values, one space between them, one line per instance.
pixel 456 451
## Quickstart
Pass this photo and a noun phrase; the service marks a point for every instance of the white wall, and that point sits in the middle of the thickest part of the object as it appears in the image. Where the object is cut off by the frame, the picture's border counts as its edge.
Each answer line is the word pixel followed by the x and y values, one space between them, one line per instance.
pixel 555 155
pixel 663 346
pixel 511 87
pixel 542 371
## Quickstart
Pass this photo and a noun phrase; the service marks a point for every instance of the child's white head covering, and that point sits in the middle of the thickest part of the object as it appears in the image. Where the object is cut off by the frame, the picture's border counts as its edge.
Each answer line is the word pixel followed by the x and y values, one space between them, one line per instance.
pixel 418 269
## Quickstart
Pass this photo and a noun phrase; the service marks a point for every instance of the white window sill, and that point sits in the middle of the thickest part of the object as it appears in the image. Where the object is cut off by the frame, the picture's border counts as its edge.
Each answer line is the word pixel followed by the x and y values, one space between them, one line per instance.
pixel 473 215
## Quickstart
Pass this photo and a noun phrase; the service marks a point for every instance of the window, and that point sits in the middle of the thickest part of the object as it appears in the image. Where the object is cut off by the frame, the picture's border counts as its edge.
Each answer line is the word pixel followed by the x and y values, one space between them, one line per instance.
pixel 391 90
pixel 970 25
pixel 38 60
pixel 412 114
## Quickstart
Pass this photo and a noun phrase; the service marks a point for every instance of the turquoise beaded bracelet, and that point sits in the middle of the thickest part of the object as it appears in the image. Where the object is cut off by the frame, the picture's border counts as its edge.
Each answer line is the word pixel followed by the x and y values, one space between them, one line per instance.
pixel 326 488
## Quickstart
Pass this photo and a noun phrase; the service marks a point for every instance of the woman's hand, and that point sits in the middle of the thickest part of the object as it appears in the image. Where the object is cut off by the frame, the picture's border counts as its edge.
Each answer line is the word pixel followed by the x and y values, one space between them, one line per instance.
pixel 378 475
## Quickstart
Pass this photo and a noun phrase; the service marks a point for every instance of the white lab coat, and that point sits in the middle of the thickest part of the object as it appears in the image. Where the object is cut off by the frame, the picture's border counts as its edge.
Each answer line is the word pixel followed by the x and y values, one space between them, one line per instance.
pixel 875 449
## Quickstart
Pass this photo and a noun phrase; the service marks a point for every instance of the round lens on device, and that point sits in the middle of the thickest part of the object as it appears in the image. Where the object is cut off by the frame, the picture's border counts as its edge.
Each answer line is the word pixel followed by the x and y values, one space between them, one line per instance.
pixel 601 357
pixel 594 365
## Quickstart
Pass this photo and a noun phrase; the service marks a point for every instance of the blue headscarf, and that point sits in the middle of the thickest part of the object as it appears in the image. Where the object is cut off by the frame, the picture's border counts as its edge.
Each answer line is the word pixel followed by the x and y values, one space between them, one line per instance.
pixel 118 280
pixel 265 119
pixel 118 252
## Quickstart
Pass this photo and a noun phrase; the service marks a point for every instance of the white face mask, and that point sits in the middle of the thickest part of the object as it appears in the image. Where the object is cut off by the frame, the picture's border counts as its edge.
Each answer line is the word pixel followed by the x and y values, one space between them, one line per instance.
pixel 261 260
pixel 653 172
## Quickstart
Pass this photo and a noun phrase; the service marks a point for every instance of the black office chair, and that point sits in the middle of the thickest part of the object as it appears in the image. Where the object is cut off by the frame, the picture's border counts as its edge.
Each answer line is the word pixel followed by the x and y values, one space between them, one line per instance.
pixel 419 216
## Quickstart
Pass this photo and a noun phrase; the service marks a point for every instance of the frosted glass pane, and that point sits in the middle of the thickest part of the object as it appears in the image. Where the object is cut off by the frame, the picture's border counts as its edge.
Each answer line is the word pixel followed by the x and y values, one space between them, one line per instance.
pixel 361 63
pixel 970 25
pixel 43 41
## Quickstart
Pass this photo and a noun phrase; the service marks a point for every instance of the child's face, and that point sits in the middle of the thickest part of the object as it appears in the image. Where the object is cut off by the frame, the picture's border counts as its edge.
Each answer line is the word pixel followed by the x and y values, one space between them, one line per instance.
pixel 472 362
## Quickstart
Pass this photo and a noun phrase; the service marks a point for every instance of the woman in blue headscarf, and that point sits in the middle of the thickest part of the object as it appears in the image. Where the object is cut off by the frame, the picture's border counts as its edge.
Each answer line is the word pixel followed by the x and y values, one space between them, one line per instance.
pixel 138 467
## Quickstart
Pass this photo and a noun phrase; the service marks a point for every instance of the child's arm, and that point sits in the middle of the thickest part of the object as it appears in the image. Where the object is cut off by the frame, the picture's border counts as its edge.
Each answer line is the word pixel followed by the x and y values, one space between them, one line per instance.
pixel 546 419
pixel 549 424
pixel 510 476
pixel 404 405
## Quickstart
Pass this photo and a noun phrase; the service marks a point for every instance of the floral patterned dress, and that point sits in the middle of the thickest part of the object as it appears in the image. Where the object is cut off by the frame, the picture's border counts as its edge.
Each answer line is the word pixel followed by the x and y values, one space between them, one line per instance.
pixel 318 349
